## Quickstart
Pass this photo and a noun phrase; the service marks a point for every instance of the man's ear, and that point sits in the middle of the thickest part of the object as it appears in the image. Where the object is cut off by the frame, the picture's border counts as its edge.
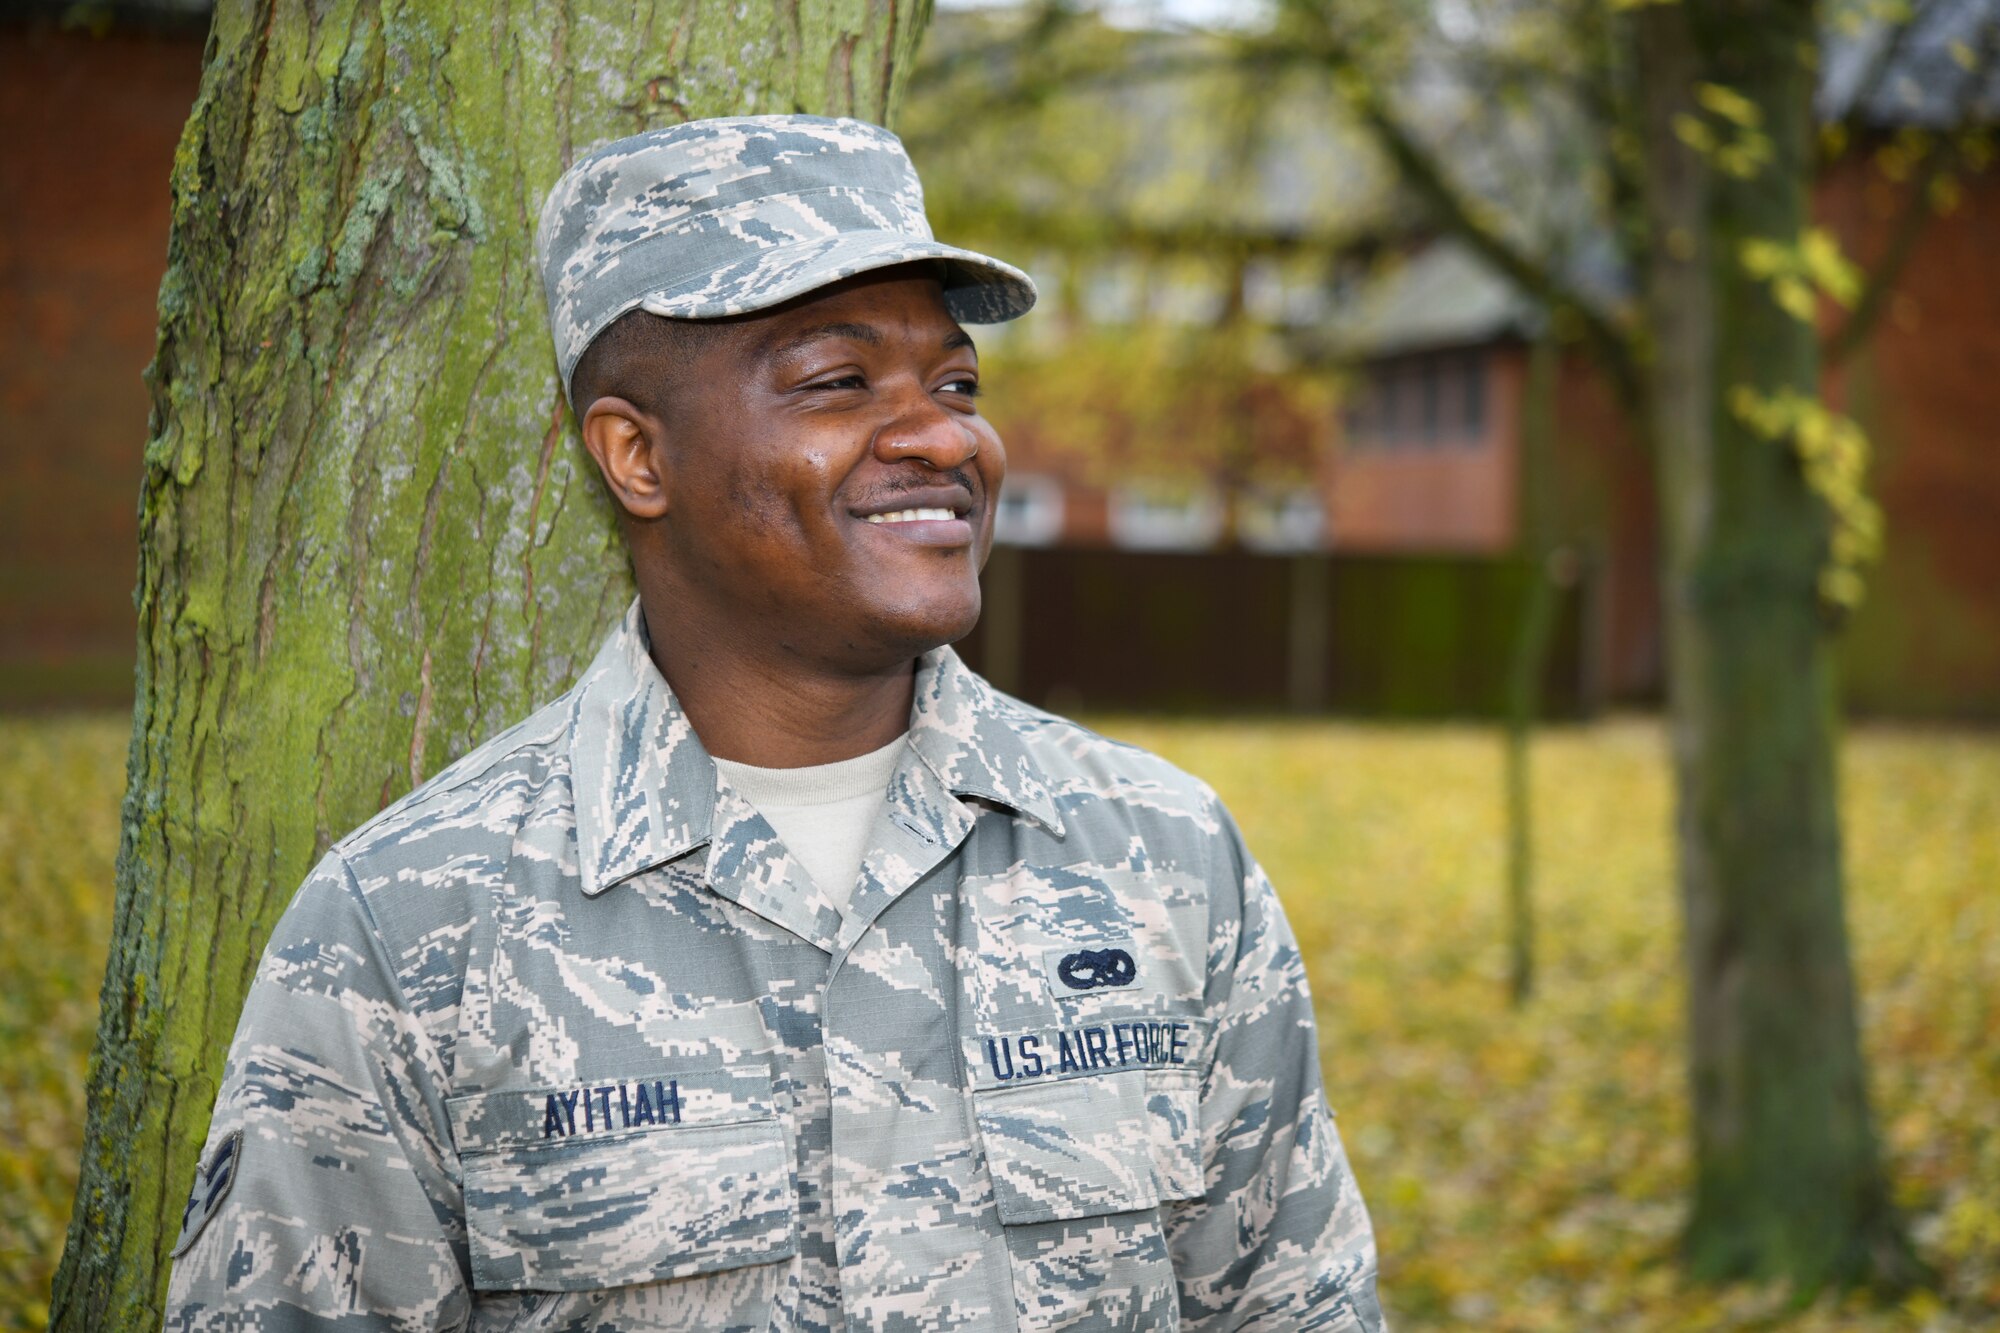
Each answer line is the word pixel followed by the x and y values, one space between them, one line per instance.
pixel 629 446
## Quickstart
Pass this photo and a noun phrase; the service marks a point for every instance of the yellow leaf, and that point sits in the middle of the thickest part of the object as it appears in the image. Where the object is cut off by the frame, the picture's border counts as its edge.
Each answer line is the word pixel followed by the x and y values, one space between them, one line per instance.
pixel 1795 298
pixel 1693 133
pixel 1763 258
pixel 1828 267
pixel 1893 161
pixel 1729 104
pixel 1736 161
pixel 1946 194
pixel 1841 587
pixel 1922 1306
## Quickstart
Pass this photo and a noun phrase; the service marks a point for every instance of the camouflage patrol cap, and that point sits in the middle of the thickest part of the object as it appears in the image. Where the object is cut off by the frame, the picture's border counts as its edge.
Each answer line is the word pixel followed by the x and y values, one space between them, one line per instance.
pixel 725 216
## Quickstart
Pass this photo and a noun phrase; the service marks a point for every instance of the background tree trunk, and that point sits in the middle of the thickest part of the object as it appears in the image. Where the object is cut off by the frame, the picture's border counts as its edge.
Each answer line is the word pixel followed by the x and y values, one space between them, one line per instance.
pixel 369 538
pixel 1534 633
pixel 1787 1177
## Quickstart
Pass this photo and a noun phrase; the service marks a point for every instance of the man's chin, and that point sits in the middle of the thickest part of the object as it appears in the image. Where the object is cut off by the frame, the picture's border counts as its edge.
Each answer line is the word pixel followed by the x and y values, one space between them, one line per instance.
pixel 911 631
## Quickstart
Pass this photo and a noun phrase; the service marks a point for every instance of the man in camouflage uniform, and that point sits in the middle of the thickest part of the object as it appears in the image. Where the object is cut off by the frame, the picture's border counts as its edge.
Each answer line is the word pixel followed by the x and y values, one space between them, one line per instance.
pixel 569 1038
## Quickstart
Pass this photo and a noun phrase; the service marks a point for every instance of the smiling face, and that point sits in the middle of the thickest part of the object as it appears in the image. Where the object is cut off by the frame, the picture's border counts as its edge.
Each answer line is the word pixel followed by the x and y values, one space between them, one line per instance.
pixel 815 482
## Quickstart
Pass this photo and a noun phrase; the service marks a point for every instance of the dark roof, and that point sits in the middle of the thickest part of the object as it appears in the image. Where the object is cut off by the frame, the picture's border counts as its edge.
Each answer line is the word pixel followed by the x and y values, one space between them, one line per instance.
pixel 1939 69
pixel 1442 296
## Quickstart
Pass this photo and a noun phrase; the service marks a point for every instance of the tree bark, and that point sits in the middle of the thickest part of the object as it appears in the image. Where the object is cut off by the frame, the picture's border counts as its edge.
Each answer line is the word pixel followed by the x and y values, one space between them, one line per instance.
pixel 1534 632
pixel 370 537
pixel 1788 1181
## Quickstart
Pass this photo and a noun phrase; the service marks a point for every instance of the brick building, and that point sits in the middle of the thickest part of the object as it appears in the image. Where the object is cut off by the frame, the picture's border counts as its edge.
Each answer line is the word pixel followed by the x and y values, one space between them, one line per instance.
pixel 91 120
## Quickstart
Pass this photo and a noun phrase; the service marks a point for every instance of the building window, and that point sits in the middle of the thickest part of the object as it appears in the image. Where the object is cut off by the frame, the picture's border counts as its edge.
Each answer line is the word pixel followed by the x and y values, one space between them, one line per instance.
pixel 1431 393
pixel 1382 415
pixel 1472 403
pixel 1030 512
pixel 1145 520
pixel 1279 521
pixel 1425 400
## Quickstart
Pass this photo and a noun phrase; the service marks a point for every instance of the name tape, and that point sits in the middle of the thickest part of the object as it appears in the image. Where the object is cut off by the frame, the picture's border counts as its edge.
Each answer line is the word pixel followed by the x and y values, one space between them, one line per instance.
pixel 638 1103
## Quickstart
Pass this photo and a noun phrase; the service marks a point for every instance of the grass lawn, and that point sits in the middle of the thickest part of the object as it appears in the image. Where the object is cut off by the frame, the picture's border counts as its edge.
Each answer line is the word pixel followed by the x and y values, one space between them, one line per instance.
pixel 1526 1169
pixel 60 780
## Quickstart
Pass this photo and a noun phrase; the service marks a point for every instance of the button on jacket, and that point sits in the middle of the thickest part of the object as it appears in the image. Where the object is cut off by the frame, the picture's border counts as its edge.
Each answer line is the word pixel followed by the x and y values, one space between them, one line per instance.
pixel 566 1040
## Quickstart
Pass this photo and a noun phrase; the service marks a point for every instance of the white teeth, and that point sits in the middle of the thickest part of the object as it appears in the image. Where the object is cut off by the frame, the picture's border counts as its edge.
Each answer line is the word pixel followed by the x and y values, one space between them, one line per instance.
pixel 912 516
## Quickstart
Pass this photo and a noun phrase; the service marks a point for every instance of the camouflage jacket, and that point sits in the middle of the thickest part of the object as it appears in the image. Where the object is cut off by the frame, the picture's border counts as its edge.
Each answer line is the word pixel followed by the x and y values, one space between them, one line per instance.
pixel 566 1040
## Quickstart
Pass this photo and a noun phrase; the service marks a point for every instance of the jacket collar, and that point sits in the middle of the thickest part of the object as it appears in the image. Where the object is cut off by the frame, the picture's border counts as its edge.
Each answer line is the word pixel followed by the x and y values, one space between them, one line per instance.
pixel 646 791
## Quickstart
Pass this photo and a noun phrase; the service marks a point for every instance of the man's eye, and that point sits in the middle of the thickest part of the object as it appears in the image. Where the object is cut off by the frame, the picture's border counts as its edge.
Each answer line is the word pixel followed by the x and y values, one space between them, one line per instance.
pixel 841 382
pixel 966 386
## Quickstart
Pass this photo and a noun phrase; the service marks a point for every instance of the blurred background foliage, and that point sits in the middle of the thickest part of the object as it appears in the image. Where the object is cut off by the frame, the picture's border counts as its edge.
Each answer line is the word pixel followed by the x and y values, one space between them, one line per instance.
pixel 1143 178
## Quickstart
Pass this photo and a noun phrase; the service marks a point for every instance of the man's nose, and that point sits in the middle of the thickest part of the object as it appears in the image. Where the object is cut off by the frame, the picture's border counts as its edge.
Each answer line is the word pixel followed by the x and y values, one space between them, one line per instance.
pixel 924 429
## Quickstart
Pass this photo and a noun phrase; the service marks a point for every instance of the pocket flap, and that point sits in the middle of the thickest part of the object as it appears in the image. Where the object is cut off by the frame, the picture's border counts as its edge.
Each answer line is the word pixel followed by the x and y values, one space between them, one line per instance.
pixel 670 1097
pixel 1173 1115
pixel 672 1195
pixel 1077 1148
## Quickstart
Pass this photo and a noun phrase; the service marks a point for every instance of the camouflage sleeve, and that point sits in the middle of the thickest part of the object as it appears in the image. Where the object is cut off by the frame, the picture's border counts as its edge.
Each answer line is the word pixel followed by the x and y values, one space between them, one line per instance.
pixel 1281 1240
pixel 326 1194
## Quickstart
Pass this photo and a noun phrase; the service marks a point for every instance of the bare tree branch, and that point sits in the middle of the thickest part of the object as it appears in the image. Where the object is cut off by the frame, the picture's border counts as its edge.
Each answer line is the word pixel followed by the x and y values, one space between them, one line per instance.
pixel 1889 53
pixel 1854 331
pixel 1106 231
pixel 1940 158
pixel 1610 344
pixel 1255 56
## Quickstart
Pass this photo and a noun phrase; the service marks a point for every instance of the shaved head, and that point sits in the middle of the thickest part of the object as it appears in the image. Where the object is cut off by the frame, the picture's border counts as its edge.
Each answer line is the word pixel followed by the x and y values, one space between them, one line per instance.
pixel 641 358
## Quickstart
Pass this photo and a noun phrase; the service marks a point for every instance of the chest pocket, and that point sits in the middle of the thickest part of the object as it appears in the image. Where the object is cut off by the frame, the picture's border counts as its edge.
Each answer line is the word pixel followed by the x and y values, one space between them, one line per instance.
pixel 1080 1168
pixel 1084 1042
pixel 668 1173
pixel 1089 1147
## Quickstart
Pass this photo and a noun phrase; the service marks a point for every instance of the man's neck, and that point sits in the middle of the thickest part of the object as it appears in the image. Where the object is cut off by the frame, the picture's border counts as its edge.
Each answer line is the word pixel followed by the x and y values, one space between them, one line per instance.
pixel 751 709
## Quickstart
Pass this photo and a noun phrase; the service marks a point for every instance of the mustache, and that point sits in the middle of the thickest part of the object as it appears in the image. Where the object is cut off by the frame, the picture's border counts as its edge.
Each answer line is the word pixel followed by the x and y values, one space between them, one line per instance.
pixel 929 481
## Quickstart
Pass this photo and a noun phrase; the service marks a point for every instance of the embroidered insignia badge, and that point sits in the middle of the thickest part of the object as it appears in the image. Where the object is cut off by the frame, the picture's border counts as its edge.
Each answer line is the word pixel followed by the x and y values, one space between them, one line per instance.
pixel 1094 969
pixel 211 1186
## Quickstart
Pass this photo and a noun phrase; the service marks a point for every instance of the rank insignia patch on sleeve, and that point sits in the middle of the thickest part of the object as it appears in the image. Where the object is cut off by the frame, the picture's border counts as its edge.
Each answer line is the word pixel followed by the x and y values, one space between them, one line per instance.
pixel 212 1180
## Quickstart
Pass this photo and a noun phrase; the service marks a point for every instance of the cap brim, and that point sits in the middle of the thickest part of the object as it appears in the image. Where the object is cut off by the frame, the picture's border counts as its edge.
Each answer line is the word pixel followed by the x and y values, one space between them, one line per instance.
pixel 977 289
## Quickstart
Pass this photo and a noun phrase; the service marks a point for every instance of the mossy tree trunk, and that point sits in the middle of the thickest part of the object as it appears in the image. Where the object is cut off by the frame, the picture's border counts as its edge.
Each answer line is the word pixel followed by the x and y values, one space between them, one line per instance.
pixel 369 536
pixel 1788 1180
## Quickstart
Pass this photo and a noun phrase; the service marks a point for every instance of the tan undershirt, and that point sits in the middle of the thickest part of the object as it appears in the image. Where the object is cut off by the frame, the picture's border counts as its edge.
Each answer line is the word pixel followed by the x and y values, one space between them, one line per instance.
pixel 823 814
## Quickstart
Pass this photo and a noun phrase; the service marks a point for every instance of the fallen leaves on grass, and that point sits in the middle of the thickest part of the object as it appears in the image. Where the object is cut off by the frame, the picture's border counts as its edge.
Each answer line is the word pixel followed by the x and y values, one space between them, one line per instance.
pixel 60 780
pixel 1527 1170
